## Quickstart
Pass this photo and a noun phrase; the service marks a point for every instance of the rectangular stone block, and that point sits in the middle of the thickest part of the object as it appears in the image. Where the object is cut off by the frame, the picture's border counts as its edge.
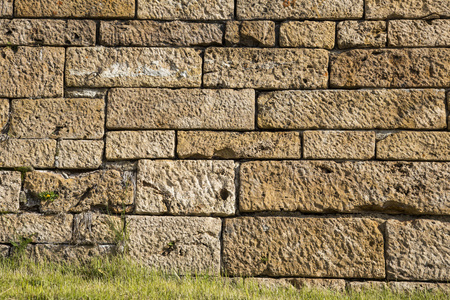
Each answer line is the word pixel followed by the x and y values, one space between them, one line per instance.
pixel 234 145
pixel 186 187
pixel 414 9
pixel 350 187
pixel 122 145
pixel 344 109
pixel 6 8
pixel 94 228
pixel 339 144
pixel 418 250
pixel 309 247
pixel 10 185
pixel 419 33
pixel 70 253
pixel 361 34
pixel 22 73
pixel 79 154
pixel 85 93
pixel 266 68
pixel 250 33
pixel 133 67
pixel 27 153
pixel 181 109
pixel 58 118
pixel 4 113
pixel 420 67
pixel 176 244
pixel 307 34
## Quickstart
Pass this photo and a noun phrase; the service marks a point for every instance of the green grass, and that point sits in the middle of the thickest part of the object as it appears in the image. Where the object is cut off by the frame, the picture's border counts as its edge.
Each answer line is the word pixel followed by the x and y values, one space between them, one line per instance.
pixel 119 278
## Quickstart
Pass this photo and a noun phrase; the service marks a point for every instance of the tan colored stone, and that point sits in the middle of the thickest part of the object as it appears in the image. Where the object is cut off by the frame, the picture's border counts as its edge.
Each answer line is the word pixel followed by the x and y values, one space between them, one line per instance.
pixel 327 186
pixel 85 93
pixel 22 72
pixel 344 109
pixel 232 33
pixel 415 145
pixel 361 34
pixel 339 144
pixel 307 34
pixel 364 286
pixel 386 9
pixel 140 144
pixel 415 33
pixel 40 228
pixel 75 8
pixel 189 187
pixel 180 244
pixel 4 250
pixel 268 283
pixel 257 34
pixel 337 285
pixel 133 67
pixel 6 8
pixel 421 67
pixel 234 145
pixel 4 113
pixel 10 185
pixel 266 68
pixel 181 109
pixel 93 228
pixel 27 153
pixel 79 154
pixel 47 32
pixel 418 250
pixel 287 246
pixel 411 287
pixel 70 253
pixel 76 118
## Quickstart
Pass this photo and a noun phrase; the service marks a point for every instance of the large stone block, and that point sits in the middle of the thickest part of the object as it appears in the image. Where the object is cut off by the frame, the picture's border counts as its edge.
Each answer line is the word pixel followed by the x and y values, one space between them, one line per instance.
pixel 250 33
pixel 307 34
pixel 387 9
pixel 416 33
pixel 4 113
pixel 361 34
pixel 6 8
pixel 93 228
pixel 10 185
pixel 27 153
pixel 70 253
pixel 79 154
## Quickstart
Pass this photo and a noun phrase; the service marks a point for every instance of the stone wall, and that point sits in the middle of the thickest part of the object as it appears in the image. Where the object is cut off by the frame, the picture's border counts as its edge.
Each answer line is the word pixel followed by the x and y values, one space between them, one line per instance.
pixel 287 138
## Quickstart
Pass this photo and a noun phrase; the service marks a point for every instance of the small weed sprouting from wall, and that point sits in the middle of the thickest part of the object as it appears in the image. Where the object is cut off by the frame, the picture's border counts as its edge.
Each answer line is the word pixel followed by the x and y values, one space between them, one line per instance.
pixel 49 196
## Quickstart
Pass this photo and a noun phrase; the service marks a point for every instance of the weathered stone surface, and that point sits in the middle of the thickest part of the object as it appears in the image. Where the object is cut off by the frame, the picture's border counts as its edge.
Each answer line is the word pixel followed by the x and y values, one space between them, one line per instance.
pixel 189 187
pixel 337 285
pixel 180 244
pixel 70 253
pixel 108 188
pixel 151 33
pixel 284 246
pixel 325 186
pixel 10 185
pixel 47 32
pixel 234 145
pixel 4 250
pixel 76 118
pixel 257 34
pixel 265 68
pixel 79 154
pixel 268 283
pixel 4 113
pixel 232 33
pixel 300 9
pixel 185 9
pixel 418 250
pixel 27 153
pixel 414 33
pixel 411 287
pixel 421 67
pixel 364 286
pixel 307 34
pixel 31 72
pixel 6 8
pixel 93 228
pixel 181 109
pixel 40 228
pixel 139 144
pixel 85 93
pixel 343 109
pixel 415 145
pixel 339 144
pixel 383 9
pixel 75 8
pixel 361 34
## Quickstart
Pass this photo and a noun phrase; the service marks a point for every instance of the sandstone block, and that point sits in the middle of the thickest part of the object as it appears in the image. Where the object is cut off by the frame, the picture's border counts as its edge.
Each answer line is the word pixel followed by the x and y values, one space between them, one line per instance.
pixel 232 33
pixel 268 283
pixel 189 187
pixel 10 185
pixel 327 186
pixel 85 93
pixel 416 33
pixel 22 73
pixel 256 34
pixel 411 287
pixel 4 250
pixel 337 285
pixel 6 8
pixel 79 154
pixel 361 34
pixel 4 113
pixel 307 34
pixel 181 109
pixel 179 244
pixel 319 247
pixel 93 228
pixel 27 153
pixel 364 286
pixel 266 68
pixel 386 9
pixel 70 253
pixel 234 145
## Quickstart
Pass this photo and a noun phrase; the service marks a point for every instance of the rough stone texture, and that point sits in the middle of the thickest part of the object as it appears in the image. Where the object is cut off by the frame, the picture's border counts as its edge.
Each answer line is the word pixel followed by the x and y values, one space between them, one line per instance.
pixel 300 9
pixel 4 113
pixel 40 228
pixel 307 34
pixel 31 72
pixel 268 283
pixel 180 244
pixel 364 286
pixel 151 33
pixel 257 34
pixel 422 67
pixel 327 186
pixel 413 145
pixel 232 33
pixel 234 145
pixel 418 250
pixel 58 118
pixel 337 285
pixel 70 253
pixel 85 93
pixel 6 8
pixel 339 144
pixel 93 228
pixel 10 185
pixel 190 187
pixel 185 9
pixel 343 109
pixel 75 8
pixel 79 154
pixel 415 33
pixel 310 247
pixel 27 153
pixel 361 34
pixel 104 188
pixel 265 68
pixel 4 250
pixel 382 9
pixel 181 109
pixel 133 67
pixel 47 32
pixel 408 287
